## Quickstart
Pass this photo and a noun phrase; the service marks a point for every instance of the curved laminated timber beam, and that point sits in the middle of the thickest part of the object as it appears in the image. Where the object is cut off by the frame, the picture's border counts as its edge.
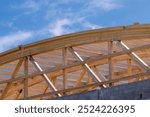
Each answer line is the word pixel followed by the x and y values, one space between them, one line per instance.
pixel 76 63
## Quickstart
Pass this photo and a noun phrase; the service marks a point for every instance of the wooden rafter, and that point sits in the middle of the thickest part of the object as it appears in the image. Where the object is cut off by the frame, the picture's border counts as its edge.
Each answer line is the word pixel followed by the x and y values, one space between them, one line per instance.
pixel 75 63
pixel 100 57
pixel 77 39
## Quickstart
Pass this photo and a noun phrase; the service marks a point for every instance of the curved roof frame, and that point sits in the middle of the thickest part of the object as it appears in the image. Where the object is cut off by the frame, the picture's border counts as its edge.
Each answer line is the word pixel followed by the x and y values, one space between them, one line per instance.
pixel 59 60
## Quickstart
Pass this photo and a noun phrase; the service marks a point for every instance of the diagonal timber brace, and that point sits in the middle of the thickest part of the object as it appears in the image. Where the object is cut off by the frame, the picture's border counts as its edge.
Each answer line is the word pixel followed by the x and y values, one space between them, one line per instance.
pixel 93 84
pixel 100 57
pixel 85 65
pixel 9 84
pixel 43 75
pixel 135 57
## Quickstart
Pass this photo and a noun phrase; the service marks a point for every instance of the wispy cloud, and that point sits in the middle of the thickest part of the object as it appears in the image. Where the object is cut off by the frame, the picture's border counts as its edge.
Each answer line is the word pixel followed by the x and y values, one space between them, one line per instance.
pixel 65 26
pixel 59 17
pixel 91 26
pixel 105 5
pixel 29 5
pixel 55 28
pixel 13 39
pixel 60 27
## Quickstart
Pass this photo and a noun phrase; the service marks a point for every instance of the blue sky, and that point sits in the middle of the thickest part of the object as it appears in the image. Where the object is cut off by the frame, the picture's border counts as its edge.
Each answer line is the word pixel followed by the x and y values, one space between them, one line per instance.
pixel 26 21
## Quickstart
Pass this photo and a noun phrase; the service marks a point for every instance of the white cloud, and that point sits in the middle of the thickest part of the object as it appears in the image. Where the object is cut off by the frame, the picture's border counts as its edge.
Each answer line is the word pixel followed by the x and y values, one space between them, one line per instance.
pixel 105 5
pixel 63 19
pixel 76 20
pixel 13 39
pixel 60 27
pixel 91 26
pixel 65 26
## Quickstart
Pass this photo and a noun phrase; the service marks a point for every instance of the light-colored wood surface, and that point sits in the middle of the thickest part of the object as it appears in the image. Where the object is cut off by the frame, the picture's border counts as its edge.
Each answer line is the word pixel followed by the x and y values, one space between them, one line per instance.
pixel 76 62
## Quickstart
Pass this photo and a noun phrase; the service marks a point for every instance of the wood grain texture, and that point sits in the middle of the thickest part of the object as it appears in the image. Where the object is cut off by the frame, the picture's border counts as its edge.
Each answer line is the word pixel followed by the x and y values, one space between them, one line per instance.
pixel 76 62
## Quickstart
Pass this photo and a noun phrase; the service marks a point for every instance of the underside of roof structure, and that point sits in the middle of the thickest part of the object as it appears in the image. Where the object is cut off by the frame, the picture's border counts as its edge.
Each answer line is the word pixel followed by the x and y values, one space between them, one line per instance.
pixel 76 63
